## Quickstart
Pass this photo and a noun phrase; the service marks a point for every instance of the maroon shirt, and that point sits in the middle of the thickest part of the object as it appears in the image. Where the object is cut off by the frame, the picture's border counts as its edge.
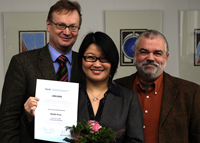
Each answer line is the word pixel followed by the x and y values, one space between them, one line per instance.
pixel 150 97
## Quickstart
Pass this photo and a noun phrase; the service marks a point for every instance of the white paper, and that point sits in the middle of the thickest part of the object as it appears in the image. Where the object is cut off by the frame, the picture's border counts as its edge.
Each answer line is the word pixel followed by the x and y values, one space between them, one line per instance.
pixel 57 108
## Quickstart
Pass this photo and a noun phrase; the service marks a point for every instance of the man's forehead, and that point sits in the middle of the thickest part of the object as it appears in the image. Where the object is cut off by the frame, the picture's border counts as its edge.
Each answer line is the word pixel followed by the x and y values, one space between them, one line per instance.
pixel 151 50
pixel 153 38
pixel 62 12
pixel 74 13
pixel 149 44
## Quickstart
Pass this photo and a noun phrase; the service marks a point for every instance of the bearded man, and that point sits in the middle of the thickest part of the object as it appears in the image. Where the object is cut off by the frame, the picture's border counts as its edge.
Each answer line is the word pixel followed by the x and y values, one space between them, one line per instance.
pixel 170 105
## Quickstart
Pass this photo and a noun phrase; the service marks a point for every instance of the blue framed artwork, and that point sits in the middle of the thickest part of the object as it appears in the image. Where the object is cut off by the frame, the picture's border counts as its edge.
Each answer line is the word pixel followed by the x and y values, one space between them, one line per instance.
pixel 124 27
pixel 24 25
pixel 197 47
pixel 127 41
pixel 30 40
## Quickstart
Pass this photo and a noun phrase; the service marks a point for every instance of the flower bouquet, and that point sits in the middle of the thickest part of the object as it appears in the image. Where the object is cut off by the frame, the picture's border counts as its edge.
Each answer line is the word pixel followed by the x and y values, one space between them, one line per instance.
pixel 91 132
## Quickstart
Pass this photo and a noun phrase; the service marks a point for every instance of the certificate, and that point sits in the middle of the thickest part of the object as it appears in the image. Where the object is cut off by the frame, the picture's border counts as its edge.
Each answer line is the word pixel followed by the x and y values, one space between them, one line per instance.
pixel 57 108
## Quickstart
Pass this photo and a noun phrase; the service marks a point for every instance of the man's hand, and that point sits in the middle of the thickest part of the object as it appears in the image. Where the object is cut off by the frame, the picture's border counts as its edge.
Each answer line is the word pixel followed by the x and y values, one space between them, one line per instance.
pixel 30 106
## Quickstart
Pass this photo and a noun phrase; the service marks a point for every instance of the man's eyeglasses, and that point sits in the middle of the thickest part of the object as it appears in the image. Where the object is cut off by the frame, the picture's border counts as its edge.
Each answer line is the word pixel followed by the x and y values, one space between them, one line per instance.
pixel 94 59
pixel 63 27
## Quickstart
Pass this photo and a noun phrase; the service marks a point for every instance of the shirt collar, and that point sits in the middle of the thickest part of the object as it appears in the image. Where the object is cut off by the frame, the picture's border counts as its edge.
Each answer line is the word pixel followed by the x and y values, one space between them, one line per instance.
pixel 157 84
pixel 113 88
pixel 55 54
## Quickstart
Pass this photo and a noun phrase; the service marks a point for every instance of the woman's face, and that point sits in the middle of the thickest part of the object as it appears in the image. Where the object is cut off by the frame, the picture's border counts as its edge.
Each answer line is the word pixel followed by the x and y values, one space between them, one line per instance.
pixel 95 71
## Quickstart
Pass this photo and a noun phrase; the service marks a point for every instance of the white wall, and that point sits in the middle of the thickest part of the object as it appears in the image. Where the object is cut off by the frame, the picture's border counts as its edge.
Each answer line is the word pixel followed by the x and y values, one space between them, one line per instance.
pixel 93 20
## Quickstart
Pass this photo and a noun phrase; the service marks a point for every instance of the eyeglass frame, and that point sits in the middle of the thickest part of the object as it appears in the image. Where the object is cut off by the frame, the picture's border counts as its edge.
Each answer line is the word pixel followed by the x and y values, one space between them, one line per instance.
pixel 96 58
pixel 69 27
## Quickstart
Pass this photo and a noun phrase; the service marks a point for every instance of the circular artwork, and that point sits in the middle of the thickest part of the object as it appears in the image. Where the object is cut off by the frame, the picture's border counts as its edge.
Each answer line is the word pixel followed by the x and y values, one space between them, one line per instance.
pixel 128 46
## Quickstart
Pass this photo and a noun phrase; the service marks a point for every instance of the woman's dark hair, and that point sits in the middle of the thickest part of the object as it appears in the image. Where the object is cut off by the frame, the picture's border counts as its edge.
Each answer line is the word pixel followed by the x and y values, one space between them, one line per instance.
pixel 107 46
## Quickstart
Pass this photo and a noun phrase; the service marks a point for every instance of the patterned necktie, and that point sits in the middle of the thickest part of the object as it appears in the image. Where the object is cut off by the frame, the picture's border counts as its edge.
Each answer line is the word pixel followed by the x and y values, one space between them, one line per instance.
pixel 62 73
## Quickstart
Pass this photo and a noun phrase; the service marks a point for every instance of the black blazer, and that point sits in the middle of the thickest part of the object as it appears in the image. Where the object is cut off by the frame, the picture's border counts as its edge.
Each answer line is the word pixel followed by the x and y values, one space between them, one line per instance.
pixel 180 110
pixel 19 85
pixel 118 113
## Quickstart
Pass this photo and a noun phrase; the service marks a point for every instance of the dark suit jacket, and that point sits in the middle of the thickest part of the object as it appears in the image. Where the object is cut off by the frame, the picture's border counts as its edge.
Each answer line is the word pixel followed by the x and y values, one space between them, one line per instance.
pixel 118 113
pixel 180 110
pixel 19 85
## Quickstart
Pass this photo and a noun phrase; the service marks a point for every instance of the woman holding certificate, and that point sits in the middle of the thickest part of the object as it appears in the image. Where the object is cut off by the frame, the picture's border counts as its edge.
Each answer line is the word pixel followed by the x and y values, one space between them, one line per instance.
pixel 100 98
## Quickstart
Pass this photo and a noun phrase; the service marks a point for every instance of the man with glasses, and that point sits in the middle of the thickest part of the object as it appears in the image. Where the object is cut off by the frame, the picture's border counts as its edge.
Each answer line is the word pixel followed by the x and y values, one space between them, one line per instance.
pixel 63 24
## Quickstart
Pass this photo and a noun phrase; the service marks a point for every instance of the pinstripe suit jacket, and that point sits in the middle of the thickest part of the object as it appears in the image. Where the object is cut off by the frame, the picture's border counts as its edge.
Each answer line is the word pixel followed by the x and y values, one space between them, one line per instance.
pixel 19 85
pixel 180 110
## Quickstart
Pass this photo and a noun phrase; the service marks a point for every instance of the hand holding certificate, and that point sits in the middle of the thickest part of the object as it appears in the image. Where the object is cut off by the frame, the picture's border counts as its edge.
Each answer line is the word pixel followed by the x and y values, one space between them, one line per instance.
pixel 57 108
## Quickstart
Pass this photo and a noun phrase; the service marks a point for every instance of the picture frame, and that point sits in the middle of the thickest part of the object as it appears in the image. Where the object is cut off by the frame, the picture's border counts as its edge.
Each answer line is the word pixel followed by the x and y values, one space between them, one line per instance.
pixel 127 41
pixel 197 47
pixel 119 22
pixel 189 46
pixel 14 22
pixel 31 40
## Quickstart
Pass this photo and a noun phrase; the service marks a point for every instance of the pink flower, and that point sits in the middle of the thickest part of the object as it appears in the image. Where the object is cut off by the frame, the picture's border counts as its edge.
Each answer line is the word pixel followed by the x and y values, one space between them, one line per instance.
pixel 94 125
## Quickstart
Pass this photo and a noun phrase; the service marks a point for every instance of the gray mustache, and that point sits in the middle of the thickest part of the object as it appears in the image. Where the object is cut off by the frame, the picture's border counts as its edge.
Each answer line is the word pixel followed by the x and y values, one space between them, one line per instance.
pixel 150 63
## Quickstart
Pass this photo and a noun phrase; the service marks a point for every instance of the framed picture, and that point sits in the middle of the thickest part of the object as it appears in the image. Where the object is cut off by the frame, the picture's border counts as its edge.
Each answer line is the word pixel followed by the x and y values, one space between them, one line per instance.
pixel 31 40
pixel 189 46
pixel 127 41
pixel 124 27
pixel 197 47
pixel 23 29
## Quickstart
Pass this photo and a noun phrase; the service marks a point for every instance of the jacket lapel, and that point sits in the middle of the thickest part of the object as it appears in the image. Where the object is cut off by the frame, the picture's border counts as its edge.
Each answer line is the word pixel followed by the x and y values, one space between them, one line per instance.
pixel 168 97
pixel 45 64
pixel 112 105
pixel 130 81
pixel 82 107
pixel 126 81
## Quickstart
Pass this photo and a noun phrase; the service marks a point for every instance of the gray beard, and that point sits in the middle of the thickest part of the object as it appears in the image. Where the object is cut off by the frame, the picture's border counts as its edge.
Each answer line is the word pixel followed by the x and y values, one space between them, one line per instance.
pixel 154 74
pixel 143 72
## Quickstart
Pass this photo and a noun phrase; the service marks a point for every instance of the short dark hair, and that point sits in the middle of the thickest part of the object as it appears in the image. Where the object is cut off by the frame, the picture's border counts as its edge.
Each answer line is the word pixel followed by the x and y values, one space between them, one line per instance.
pixel 107 46
pixel 67 5
pixel 152 34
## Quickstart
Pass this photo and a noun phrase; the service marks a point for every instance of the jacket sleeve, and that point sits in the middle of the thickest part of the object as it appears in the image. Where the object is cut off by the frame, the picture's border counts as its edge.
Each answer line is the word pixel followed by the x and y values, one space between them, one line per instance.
pixel 194 125
pixel 134 132
pixel 12 102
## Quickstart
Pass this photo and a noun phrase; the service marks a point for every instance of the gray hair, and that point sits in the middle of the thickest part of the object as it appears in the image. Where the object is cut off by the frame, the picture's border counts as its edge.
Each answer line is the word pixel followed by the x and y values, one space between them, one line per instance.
pixel 151 34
